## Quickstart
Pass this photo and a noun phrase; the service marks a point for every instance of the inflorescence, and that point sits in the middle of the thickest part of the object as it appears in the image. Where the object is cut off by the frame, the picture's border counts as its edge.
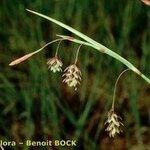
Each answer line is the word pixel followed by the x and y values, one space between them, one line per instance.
pixel 72 77
pixel 113 123
pixel 72 74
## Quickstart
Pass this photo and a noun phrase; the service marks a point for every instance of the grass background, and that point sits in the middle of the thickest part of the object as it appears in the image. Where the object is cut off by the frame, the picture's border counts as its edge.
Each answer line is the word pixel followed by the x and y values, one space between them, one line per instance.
pixel 34 104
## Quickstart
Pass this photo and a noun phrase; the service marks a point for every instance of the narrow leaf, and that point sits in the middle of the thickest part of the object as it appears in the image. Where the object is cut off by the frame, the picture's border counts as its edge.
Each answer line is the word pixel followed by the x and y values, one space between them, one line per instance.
pixel 95 44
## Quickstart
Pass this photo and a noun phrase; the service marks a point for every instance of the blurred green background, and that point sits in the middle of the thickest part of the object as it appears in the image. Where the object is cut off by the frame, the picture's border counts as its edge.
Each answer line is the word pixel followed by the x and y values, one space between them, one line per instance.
pixel 34 104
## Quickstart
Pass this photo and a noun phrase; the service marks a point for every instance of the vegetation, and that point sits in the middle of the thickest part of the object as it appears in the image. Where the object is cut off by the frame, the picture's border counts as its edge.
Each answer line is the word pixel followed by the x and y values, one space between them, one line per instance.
pixel 36 105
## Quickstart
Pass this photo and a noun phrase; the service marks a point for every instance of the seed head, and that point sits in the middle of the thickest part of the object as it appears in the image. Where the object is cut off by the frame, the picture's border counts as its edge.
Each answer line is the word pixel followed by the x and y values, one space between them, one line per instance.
pixel 114 123
pixel 21 59
pixel 54 64
pixel 72 76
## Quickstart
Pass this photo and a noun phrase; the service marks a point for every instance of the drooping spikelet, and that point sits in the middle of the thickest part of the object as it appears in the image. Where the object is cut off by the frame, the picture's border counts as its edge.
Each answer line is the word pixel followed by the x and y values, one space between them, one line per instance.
pixel 114 123
pixel 55 64
pixel 72 76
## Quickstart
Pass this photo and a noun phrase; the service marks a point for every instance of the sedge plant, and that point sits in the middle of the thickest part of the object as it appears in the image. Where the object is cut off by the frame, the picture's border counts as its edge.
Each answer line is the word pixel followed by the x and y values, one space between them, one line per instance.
pixel 72 74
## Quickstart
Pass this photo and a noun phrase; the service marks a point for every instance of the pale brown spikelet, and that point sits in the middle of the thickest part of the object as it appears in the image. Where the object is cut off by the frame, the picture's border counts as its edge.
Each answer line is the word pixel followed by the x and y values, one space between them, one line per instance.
pixel 21 59
pixel 54 64
pixel 72 76
pixel 114 123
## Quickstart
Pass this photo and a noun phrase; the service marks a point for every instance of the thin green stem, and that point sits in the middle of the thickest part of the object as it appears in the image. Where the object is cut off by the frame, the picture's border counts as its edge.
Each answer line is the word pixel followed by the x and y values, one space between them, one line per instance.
pixel 77 54
pixel 113 103
pixel 37 51
pixel 58 48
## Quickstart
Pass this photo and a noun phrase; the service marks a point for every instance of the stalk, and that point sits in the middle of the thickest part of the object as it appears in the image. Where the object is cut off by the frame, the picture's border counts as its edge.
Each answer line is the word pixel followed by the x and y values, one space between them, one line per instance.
pixel 93 43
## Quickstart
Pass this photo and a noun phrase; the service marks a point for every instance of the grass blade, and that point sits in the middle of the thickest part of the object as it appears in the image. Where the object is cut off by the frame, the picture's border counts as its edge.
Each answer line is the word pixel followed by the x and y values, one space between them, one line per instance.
pixel 94 44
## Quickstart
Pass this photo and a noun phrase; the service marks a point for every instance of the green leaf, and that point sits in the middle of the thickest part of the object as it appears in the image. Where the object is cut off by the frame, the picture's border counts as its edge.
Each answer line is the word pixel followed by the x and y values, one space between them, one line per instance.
pixel 92 43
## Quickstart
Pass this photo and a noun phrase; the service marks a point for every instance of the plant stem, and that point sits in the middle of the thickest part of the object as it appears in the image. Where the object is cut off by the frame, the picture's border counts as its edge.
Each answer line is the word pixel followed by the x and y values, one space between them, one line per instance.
pixel 60 39
pixel 77 54
pixel 113 54
pixel 58 48
pixel 113 103
pixel 94 44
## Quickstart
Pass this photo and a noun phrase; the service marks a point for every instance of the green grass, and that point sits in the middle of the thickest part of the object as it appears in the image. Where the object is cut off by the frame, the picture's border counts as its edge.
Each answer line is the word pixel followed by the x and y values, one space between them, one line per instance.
pixel 34 104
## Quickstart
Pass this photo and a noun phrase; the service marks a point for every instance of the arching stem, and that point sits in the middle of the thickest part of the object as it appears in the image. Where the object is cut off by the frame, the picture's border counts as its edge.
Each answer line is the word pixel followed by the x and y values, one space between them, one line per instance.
pixel 58 47
pixel 77 54
pixel 60 39
pixel 113 103
pixel 25 57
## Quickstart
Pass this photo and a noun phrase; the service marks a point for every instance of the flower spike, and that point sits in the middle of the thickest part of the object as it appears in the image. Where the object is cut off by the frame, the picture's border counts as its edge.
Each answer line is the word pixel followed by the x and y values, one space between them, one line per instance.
pixel 72 76
pixel 114 123
pixel 72 73
pixel 54 64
